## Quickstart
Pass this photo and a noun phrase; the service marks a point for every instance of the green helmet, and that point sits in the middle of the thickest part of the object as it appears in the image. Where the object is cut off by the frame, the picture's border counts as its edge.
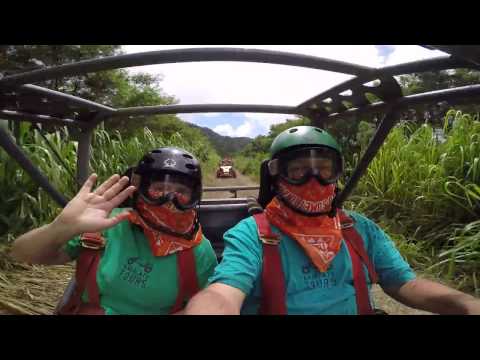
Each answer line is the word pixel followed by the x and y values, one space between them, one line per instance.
pixel 302 136
pixel 290 146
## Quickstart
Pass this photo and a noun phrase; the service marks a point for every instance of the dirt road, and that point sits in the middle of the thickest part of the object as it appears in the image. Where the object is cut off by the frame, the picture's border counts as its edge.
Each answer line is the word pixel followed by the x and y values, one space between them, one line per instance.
pixel 240 180
pixel 392 307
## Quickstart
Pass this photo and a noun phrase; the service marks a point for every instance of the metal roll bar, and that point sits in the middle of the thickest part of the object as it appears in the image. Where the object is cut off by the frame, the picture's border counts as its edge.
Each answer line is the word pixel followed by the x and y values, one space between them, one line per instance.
pixel 22 101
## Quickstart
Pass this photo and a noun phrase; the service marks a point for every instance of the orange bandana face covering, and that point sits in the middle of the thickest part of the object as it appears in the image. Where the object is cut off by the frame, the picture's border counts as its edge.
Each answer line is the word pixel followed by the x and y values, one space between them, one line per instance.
pixel 311 197
pixel 319 236
pixel 167 216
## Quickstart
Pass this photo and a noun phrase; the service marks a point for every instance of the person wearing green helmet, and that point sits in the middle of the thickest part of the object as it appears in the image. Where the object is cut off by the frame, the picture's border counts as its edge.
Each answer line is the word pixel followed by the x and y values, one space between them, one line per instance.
pixel 304 255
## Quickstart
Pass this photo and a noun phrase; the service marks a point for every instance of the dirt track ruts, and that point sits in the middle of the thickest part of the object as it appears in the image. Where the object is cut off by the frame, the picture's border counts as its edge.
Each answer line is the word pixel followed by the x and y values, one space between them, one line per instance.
pixel 240 180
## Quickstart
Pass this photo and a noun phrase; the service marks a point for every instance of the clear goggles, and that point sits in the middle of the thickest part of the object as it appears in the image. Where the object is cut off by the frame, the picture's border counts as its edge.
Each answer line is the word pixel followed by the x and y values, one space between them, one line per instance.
pixel 299 166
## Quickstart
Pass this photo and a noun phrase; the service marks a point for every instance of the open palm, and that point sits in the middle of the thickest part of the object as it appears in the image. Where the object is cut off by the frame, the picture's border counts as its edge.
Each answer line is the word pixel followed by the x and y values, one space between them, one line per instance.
pixel 89 211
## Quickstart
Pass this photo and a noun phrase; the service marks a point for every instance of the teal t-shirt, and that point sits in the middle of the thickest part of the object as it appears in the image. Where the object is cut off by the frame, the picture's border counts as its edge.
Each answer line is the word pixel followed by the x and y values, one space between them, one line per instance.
pixel 308 290
pixel 131 280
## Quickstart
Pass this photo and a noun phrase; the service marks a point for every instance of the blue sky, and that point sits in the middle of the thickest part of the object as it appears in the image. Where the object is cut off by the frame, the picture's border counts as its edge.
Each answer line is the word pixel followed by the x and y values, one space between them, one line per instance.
pixel 252 83
pixel 384 52
pixel 234 124
pixel 212 121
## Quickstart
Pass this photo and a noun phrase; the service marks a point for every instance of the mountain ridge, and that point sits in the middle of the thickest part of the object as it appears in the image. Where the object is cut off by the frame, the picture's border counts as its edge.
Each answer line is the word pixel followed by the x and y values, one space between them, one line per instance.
pixel 225 145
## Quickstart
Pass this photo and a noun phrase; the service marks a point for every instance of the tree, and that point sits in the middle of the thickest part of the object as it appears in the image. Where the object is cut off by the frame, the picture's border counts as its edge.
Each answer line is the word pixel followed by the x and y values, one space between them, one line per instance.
pixel 116 88
pixel 430 81
pixel 93 86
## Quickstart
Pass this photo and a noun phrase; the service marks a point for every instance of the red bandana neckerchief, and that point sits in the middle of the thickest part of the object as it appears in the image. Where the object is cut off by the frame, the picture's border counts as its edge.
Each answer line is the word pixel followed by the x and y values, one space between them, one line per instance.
pixel 163 244
pixel 319 236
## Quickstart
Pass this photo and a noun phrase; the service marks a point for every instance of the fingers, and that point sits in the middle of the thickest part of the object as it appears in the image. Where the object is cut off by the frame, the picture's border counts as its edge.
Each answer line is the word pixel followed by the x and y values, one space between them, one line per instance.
pixel 87 186
pixel 118 199
pixel 114 189
pixel 109 222
pixel 107 184
pixel 118 218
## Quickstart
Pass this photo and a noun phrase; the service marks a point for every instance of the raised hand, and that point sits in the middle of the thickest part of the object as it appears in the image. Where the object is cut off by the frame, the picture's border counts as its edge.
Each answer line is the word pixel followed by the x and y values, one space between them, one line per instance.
pixel 89 211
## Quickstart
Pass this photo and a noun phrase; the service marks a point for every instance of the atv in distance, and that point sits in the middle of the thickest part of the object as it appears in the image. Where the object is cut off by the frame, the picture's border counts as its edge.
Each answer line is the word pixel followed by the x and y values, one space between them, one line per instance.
pixel 225 169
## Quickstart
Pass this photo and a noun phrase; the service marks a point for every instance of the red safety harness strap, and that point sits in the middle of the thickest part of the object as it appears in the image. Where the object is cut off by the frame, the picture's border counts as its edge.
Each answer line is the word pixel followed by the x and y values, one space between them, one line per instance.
pixel 187 278
pixel 359 257
pixel 86 278
pixel 273 280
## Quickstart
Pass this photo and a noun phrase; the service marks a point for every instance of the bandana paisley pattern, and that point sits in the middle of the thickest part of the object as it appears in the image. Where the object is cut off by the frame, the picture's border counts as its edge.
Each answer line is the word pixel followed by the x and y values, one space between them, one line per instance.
pixel 310 197
pixel 319 236
pixel 168 216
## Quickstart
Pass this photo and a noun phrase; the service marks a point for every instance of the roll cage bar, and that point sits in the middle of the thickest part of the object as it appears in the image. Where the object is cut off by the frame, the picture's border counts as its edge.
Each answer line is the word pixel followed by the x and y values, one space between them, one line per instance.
pixel 21 100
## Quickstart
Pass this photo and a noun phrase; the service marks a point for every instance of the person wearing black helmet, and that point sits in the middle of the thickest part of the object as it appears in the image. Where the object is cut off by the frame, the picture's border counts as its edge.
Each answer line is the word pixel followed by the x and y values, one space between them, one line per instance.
pixel 304 255
pixel 136 239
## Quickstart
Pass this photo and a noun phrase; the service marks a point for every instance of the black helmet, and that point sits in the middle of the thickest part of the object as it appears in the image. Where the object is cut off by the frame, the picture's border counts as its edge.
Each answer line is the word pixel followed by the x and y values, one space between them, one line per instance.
pixel 171 163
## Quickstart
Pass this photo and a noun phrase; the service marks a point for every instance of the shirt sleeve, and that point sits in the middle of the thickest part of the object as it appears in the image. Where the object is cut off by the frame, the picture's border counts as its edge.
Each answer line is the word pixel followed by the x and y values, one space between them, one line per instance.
pixel 241 263
pixel 206 261
pixel 72 247
pixel 392 269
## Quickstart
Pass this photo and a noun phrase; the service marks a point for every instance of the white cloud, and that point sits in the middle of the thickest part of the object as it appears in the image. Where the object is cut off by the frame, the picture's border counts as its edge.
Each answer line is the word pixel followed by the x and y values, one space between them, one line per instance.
pixel 252 83
pixel 266 120
pixel 246 129
pixel 257 83
pixel 407 53
pixel 192 117
pixel 210 114
pixel 224 129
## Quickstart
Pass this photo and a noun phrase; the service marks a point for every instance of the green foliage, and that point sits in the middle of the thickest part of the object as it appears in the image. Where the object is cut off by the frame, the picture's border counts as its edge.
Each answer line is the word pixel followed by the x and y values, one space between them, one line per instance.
pixel 353 137
pixel 92 86
pixel 423 190
pixel 429 192
pixel 276 129
pixel 249 159
pixel 418 174
pixel 365 133
pixel 23 205
pixel 225 145
pixel 114 88
pixel 116 145
pixel 430 81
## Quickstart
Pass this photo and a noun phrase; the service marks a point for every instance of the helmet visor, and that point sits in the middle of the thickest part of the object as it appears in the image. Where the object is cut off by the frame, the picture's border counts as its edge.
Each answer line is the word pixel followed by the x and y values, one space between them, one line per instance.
pixel 297 167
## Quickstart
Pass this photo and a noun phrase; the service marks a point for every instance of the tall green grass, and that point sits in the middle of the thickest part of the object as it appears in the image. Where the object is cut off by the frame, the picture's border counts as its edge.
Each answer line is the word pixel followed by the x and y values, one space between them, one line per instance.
pixel 426 192
pixel 422 189
pixel 23 205
pixel 251 165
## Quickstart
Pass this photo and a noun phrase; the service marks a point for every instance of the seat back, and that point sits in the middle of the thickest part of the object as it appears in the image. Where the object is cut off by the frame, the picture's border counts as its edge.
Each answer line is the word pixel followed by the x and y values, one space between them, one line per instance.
pixel 217 216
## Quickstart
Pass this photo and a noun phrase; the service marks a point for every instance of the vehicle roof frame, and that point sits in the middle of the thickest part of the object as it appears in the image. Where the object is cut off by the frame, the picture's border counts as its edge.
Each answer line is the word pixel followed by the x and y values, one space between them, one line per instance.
pixel 22 101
